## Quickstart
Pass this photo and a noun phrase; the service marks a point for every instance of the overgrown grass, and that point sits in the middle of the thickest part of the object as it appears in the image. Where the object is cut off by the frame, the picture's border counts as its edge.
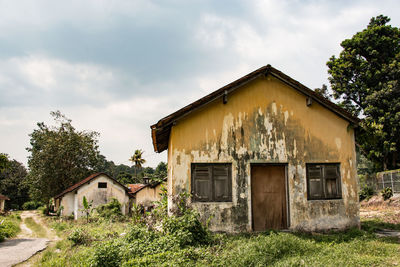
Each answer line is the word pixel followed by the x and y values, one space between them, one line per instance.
pixel 9 226
pixel 35 227
pixel 181 240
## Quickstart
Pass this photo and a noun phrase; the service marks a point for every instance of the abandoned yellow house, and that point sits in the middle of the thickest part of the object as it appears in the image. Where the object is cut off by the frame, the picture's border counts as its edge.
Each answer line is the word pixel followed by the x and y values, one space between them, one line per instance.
pixel 263 152
pixel 99 188
pixel 145 194
pixel 2 202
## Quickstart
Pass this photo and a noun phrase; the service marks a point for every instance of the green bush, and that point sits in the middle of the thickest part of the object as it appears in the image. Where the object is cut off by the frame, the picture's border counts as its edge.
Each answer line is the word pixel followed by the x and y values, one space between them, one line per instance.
pixel 9 226
pixel 366 193
pixel 31 205
pixel 187 229
pixel 111 210
pixel 79 236
pixel 387 193
pixel 106 254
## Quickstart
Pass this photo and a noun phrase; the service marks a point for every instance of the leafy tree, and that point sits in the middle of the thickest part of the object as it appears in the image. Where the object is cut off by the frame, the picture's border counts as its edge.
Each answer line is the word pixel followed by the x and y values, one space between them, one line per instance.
pixel 324 91
pixel 161 170
pixel 137 159
pixel 365 79
pixel 3 161
pixel 126 178
pixel 13 184
pixel 60 157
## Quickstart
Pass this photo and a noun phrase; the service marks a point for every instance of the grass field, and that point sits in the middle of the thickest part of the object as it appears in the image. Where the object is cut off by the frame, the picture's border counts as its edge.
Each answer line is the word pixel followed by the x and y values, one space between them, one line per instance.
pixel 105 243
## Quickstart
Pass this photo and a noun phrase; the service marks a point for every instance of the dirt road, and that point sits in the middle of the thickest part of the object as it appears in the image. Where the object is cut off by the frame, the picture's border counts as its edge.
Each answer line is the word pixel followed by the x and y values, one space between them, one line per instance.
pixel 25 245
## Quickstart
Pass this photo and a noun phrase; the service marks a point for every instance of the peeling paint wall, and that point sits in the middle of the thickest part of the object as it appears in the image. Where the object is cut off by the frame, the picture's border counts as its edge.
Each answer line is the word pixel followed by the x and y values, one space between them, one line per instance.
pixel 148 195
pixel 72 201
pixel 266 121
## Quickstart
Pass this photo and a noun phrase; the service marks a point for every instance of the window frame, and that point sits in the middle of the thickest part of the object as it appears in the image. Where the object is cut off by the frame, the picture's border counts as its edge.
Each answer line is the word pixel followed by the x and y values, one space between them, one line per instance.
pixel 323 179
pixel 101 187
pixel 213 198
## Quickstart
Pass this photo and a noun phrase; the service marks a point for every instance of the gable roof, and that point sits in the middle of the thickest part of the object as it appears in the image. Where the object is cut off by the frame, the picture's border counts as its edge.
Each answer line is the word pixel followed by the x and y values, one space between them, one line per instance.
pixel 3 197
pixel 87 180
pixel 161 130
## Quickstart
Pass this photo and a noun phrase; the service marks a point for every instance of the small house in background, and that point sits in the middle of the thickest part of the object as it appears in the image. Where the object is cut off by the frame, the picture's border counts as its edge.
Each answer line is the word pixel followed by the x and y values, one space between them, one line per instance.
pixel 146 194
pixel 263 152
pixel 3 199
pixel 99 188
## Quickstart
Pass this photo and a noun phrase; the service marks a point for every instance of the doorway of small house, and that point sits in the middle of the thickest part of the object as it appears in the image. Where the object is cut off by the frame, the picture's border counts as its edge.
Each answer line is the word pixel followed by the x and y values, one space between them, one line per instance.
pixel 268 197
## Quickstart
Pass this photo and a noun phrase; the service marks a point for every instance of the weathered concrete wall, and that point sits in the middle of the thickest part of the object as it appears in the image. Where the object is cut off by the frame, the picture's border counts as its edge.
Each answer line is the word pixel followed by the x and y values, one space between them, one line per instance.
pixel 2 202
pixel 72 202
pixel 101 195
pixel 147 196
pixel 67 202
pixel 266 121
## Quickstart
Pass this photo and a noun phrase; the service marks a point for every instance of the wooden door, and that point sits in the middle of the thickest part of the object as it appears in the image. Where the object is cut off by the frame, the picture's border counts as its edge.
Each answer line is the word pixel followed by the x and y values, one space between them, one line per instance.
pixel 268 195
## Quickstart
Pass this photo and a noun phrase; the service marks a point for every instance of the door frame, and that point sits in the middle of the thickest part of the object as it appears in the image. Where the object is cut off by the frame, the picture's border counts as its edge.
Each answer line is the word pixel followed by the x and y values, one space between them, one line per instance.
pixel 286 191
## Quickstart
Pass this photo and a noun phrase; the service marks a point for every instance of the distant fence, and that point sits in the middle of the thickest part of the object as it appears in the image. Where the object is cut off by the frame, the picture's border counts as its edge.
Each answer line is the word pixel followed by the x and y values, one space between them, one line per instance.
pixel 388 179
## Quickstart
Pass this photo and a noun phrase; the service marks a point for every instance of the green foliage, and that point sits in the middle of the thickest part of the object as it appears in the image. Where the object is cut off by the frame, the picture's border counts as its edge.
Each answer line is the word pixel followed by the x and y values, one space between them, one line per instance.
pixel 31 205
pixel 79 236
pixel 187 229
pixel 365 79
pixel 111 210
pixel 387 193
pixel 13 184
pixel 9 226
pixel 366 192
pixel 161 170
pixel 106 254
pixel 59 157
pixel 87 207
pixel 137 159
pixel 3 162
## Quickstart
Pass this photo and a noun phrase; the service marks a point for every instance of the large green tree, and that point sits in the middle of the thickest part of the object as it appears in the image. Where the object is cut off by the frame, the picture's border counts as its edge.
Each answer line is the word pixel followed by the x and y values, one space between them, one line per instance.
pixel 365 80
pixel 4 162
pixel 60 157
pixel 13 184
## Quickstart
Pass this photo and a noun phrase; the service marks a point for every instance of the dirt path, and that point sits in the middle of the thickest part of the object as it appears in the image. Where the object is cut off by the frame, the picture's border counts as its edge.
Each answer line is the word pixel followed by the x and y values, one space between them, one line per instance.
pixel 25 245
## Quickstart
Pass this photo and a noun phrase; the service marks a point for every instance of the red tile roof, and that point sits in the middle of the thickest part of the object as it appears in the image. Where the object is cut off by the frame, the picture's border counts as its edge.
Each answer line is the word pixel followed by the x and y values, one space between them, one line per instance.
pixel 86 180
pixel 133 188
pixel 4 197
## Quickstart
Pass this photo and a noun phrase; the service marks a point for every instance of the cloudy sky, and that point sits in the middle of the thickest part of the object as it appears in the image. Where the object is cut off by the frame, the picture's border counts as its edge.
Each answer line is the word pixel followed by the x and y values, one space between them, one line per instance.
pixel 117 67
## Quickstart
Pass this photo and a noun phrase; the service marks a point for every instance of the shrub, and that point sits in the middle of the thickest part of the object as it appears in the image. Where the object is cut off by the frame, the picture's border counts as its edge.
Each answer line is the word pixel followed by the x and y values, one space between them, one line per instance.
pixel 9 226
pixel 366 192
pixel 387 193
pixel 31 205
pixel 79 236
pixel 111 210
pixel 106 254
pixel 187 229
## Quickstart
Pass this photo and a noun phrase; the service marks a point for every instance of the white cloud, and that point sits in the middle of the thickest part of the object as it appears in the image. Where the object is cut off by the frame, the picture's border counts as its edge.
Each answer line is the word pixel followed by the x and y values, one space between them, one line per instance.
pixel 39 73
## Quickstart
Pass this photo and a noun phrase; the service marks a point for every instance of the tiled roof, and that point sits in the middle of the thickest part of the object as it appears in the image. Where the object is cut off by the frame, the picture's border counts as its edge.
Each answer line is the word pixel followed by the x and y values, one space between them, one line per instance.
pixel 4 197
pixel 133 188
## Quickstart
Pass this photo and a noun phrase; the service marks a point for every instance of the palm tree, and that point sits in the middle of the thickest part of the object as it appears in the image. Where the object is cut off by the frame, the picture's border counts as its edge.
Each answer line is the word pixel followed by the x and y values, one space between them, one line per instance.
pixel 137 159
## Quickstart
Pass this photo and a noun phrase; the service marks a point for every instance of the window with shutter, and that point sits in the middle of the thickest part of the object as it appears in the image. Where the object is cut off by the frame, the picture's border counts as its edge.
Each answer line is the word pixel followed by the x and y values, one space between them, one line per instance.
pixel 212 182
pixel 323 181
